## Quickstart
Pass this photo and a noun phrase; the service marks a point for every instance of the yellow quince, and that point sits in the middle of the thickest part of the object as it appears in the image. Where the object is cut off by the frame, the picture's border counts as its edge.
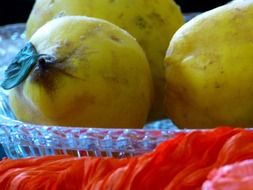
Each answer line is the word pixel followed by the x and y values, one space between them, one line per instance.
pixel 80 71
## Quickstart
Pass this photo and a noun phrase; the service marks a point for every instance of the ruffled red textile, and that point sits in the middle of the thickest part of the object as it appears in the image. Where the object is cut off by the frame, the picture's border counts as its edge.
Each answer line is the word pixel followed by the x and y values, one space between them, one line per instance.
pixel 238 176
pixel 182 163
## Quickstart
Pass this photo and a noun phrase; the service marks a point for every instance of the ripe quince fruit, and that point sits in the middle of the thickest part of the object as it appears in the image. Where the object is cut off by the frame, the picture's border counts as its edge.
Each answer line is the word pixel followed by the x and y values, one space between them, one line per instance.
pixel 209 69
pixel 80 71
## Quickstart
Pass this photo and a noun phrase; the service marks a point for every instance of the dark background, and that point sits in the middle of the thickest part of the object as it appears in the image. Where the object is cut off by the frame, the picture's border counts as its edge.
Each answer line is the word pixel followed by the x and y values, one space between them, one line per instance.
pixel 15 11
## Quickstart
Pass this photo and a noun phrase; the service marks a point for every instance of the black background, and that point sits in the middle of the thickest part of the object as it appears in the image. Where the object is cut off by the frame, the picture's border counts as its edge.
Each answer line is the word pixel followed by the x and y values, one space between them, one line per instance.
pixel 15 11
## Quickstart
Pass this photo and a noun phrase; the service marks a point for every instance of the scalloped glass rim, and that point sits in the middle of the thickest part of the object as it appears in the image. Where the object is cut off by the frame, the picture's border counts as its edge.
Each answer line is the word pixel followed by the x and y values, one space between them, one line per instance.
pixel 23 140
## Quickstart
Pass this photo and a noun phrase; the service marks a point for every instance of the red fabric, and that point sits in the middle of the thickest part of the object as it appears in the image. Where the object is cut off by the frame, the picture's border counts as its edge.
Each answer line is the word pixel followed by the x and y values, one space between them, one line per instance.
pixel 182 163
pixel 238 176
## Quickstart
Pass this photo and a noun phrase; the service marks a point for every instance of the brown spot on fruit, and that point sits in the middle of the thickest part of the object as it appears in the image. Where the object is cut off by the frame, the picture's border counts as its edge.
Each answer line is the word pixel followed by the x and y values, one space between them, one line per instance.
pixel 157 17
pixel 121 15
pixel 44 75
pixel 48 71
pixel 141 22
pixel 115 38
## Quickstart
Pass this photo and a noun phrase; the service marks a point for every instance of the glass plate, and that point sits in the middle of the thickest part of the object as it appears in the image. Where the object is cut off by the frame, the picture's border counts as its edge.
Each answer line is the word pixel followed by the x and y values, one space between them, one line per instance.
pixel 21 140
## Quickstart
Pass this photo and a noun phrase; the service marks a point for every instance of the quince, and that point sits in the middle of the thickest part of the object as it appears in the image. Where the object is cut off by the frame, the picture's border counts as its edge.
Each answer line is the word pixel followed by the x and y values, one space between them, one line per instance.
pixel 209 69
pixel 80 71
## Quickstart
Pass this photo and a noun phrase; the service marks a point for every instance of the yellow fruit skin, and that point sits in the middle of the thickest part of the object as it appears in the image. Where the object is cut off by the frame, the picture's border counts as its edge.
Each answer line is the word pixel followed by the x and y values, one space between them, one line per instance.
pixel 152 23
pixel 101 77
pixel 209 69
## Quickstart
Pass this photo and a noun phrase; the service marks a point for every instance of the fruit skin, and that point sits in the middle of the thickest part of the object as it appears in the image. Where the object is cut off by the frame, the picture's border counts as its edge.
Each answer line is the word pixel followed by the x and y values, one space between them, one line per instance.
pixel 152 23
pixel 101 77
pixel 209 70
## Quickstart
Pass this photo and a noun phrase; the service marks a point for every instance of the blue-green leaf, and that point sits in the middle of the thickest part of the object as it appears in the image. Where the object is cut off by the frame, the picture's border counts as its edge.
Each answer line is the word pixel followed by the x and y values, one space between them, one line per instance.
pixel 20 67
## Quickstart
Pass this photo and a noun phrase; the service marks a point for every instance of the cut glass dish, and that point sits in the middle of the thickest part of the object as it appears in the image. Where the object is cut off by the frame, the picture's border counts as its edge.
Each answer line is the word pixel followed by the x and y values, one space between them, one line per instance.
pixel 21 140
